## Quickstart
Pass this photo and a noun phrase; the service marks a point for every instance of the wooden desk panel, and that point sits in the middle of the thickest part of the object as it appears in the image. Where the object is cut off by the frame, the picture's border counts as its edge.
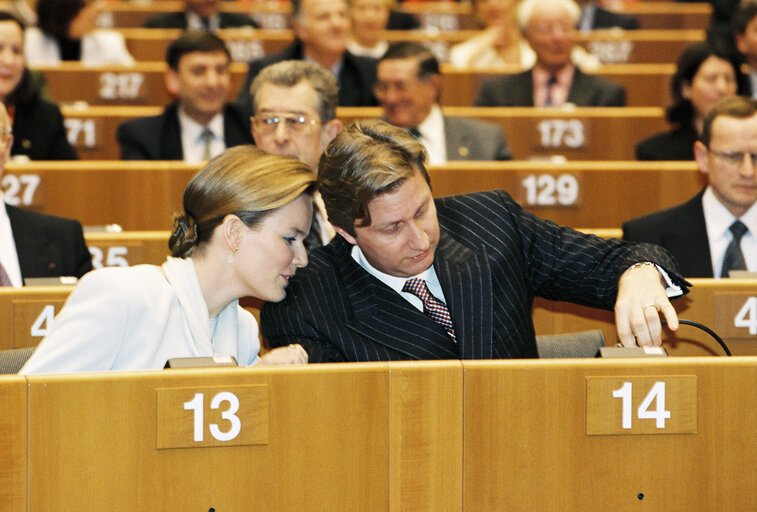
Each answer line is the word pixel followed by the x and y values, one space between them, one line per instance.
pixel 140 84
pixel 445 16
pixel 128 248
pixel 327 448
pixel 610 46
pixel 538 133
pixel 13 437
pixel 598 195
pixel 647 85
pixel 27 313
pixel 144 195
pixel 526 446
pixel 139 196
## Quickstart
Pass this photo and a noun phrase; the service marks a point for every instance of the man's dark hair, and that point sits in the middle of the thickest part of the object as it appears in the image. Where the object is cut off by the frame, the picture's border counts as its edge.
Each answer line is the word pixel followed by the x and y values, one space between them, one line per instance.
pixel 6 16
pixel 743 15
pixel 194 41
pixel 428 65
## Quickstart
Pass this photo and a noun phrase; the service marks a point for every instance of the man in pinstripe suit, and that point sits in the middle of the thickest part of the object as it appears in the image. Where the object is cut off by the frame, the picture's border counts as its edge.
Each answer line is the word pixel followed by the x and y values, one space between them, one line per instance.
pixel 479 254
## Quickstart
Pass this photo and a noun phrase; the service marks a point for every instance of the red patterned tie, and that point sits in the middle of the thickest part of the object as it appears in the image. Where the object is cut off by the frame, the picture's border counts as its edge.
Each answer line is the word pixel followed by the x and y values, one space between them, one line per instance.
pixel 4 279
pixel 432 306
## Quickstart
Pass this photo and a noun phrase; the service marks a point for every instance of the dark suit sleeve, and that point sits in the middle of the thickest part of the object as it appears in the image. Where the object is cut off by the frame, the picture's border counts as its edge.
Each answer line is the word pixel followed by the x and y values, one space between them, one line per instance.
pixel 130 141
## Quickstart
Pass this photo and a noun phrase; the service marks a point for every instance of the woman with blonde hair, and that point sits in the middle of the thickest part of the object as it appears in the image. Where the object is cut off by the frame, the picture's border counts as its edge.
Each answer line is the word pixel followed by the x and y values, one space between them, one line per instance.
pixel 240 233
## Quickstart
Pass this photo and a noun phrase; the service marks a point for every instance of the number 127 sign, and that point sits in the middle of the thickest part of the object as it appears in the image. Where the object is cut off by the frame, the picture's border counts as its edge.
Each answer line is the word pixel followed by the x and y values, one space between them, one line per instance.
pixel 641 405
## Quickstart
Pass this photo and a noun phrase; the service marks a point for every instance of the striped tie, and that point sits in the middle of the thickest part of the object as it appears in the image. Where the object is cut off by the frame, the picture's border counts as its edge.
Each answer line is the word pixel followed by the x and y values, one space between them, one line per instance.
pixel 734 258
pixel 433 307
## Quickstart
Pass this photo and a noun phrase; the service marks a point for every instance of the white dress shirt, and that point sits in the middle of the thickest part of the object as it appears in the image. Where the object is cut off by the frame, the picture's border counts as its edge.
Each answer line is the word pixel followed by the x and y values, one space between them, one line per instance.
pixel 192 140
pixel 194 22
pixel 718 221
pixel 396 283
pixel 432 136
pixel 8 254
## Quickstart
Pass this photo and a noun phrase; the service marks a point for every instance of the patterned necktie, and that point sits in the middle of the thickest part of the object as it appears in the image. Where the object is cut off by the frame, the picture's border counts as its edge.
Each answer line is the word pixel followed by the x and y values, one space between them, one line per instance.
pixel 206 136
pixel 414 132
pixel 433 307
pixel 551 81
pixel 5 280
pixel 734 258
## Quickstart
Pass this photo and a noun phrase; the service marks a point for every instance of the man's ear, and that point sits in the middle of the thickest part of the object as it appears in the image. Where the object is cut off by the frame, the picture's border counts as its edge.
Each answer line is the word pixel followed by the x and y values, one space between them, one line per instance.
pixel 172 82
pixel 701 155
pixel 350 239
pixel 330 130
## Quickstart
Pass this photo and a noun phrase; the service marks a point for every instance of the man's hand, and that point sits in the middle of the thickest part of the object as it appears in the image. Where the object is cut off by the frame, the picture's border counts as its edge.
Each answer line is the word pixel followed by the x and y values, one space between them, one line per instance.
pixel 641 299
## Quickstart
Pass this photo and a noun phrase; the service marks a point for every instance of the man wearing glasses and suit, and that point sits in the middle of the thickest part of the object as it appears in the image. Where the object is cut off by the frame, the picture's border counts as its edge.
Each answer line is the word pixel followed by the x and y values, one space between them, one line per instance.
pixel 715 231
pixel 294 114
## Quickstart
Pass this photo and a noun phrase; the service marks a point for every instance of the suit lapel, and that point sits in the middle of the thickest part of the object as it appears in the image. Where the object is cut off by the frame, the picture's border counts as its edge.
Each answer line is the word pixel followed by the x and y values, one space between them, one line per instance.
pixel 465 277
pixel 690 240
pixel 384 317
pixel 32 249
pixel 580 91
pixel 457 141
pixel 525 88
pixel 170 145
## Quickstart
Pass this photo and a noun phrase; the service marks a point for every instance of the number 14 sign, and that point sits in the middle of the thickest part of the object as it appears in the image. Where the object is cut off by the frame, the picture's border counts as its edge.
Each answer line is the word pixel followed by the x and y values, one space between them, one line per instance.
pixel 641 405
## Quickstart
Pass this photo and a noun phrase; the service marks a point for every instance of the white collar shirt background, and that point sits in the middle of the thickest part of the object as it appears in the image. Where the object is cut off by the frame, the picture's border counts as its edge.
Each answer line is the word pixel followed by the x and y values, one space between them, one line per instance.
pixel 192 139
pixel 718 221
pixel 433 138
pixel 8 255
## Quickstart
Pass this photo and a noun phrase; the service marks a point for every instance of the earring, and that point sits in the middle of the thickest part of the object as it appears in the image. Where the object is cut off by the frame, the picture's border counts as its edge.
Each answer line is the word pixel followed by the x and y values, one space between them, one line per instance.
pixel 230 258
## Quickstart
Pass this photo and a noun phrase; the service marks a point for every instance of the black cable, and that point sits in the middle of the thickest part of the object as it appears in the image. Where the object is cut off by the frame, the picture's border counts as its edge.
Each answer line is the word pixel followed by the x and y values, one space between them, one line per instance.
pixel 705 329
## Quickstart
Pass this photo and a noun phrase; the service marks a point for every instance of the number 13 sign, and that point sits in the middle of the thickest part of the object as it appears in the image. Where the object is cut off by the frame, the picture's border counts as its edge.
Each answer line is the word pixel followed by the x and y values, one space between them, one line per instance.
pixel 641 405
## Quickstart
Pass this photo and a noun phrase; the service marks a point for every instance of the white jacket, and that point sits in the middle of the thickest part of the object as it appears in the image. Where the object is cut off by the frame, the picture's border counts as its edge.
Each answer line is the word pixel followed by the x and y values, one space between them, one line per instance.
pixel 101 46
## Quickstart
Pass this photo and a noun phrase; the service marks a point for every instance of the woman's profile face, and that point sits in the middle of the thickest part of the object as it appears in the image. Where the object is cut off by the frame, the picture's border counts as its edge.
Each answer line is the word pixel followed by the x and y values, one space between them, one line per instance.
pixel 270 254
pixel 715 79
pixel 11 57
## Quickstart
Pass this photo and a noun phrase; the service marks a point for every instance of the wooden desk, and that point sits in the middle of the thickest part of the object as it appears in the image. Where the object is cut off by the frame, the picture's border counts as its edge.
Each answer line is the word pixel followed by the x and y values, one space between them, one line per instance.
pixel 647 85
pixel 720 304
pixel 27 313
pixel 142 196
pixel 453 435
pixel 526 445
pixel 140 84
pixel 444 16
pixel 127 248
pixel 588 133
pixel 139 196
pixel 611 46
pixel 13 438
pixel 378 432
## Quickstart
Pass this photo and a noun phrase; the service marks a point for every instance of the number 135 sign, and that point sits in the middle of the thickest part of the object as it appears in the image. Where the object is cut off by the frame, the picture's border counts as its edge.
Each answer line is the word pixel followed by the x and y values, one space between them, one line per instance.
pixel 641 405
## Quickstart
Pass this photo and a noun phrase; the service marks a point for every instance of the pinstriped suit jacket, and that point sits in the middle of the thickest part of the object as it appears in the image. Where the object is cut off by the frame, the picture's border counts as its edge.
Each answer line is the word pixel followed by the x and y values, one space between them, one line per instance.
pixel 493 259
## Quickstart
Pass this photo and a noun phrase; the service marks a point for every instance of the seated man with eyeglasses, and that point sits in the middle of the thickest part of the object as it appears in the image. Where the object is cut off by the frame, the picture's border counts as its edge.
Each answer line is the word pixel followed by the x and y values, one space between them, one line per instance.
pixel 200 124
pixel 715 232
pixel 294 114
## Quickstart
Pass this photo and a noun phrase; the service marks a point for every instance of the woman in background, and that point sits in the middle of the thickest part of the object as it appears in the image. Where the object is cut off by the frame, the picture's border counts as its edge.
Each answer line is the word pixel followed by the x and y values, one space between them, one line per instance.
pixel 239 234
pixel 704 74
pixel 38 130
pixel 67 31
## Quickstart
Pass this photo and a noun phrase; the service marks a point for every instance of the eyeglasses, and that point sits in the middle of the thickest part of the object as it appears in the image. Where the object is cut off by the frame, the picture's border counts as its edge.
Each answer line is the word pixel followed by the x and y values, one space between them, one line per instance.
pixel 734 159
pixel 294 122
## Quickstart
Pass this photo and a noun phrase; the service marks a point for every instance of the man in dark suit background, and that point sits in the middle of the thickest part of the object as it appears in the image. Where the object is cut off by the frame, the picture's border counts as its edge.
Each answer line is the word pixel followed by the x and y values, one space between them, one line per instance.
pixel 549 26
pixel 408 86
pixel 596 17
pixel 200 15
pixel 700 233
pixel 473 263
pixel 200 124
pixel 33 244
pixel 321 28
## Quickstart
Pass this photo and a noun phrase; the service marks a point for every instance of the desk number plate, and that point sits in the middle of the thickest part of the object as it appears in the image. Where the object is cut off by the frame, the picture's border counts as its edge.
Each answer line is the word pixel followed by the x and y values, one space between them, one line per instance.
pixel 641 405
